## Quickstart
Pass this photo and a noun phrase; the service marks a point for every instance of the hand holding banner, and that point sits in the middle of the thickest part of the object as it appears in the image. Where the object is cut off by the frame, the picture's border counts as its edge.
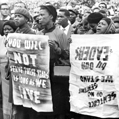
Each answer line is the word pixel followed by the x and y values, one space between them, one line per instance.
pixel 29 66
pixel 94 71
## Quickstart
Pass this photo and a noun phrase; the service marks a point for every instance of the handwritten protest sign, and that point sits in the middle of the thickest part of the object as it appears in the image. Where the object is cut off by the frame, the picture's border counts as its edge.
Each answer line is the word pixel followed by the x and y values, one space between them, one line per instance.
pixel 94 71
pixel 29 65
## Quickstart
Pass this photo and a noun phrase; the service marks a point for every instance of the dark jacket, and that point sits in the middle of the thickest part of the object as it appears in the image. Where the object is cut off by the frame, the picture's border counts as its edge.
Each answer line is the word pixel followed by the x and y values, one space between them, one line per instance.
pixel 25 30
pixel 59 85
pixel 1 26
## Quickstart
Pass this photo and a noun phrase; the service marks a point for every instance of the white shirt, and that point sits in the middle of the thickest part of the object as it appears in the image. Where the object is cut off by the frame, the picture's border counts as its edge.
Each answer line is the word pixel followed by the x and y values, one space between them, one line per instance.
pixel 7 18
pixel 66 28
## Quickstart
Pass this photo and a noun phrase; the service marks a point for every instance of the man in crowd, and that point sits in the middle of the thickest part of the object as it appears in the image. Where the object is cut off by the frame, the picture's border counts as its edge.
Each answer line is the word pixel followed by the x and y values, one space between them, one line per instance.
pixel 22 17
pixel 4 11
pixel 63 21
pixel 58 45
pixel 17 5
pixel 73 15
pixel 103 6
pixel 4 14
pixel 20 4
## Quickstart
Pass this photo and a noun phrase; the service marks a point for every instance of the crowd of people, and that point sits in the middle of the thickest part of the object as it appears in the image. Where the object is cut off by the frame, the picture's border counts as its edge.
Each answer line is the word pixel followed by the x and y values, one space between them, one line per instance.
pixel 59 22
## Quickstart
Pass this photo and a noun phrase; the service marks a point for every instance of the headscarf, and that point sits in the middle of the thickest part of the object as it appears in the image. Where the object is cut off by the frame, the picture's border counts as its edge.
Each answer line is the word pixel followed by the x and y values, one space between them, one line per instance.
pixel 111 27
pixel 10 23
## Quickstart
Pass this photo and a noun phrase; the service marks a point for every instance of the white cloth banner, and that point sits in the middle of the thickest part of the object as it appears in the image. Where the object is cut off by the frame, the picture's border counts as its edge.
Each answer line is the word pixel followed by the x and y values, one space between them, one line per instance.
pixel 94 75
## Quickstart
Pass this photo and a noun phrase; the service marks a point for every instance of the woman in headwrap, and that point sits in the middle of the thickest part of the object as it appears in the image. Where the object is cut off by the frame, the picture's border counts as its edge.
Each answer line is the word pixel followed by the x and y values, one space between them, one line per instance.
pixel 105 26
pixel 8 27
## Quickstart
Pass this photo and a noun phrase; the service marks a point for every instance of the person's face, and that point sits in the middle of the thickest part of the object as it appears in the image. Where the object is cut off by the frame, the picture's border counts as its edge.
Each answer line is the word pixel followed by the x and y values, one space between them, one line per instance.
pixel 62 19
pixel 19 5
pixel 20 20
pixel 44 17
pixel 36 24
pixel 116 25
pixel 7 29
pixel 5 10
pixel 72 17
pixel 36 11
pixel 102 26
pixel 102 7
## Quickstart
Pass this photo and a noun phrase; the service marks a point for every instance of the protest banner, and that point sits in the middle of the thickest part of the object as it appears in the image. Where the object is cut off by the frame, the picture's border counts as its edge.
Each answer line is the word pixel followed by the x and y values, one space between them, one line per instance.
pixel 94 71
pixel 29 66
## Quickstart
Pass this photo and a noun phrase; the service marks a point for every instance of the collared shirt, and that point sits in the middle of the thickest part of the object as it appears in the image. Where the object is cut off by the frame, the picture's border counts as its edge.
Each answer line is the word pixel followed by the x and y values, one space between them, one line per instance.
pixel 7 18
pixel 65 29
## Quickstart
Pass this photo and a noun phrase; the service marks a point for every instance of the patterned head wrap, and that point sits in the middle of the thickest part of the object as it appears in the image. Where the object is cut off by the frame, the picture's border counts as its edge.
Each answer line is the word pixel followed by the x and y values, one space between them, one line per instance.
pixel 111 27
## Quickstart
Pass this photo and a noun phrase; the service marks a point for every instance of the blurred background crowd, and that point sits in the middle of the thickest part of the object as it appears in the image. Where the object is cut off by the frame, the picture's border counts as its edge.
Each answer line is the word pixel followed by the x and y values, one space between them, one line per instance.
pixel 58 19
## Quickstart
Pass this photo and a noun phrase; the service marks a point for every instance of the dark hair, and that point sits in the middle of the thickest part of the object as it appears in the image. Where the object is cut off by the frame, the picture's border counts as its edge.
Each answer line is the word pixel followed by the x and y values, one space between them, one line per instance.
pixel 51 10
pixel 95 17
pixel 3 4
pixel 103 4
pixel 65 11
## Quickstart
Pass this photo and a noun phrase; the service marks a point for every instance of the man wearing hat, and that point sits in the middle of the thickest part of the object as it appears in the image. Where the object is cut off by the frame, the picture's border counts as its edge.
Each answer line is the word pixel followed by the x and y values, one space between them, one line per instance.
pixel 22 17
pixel 93 20
pixel 73 15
